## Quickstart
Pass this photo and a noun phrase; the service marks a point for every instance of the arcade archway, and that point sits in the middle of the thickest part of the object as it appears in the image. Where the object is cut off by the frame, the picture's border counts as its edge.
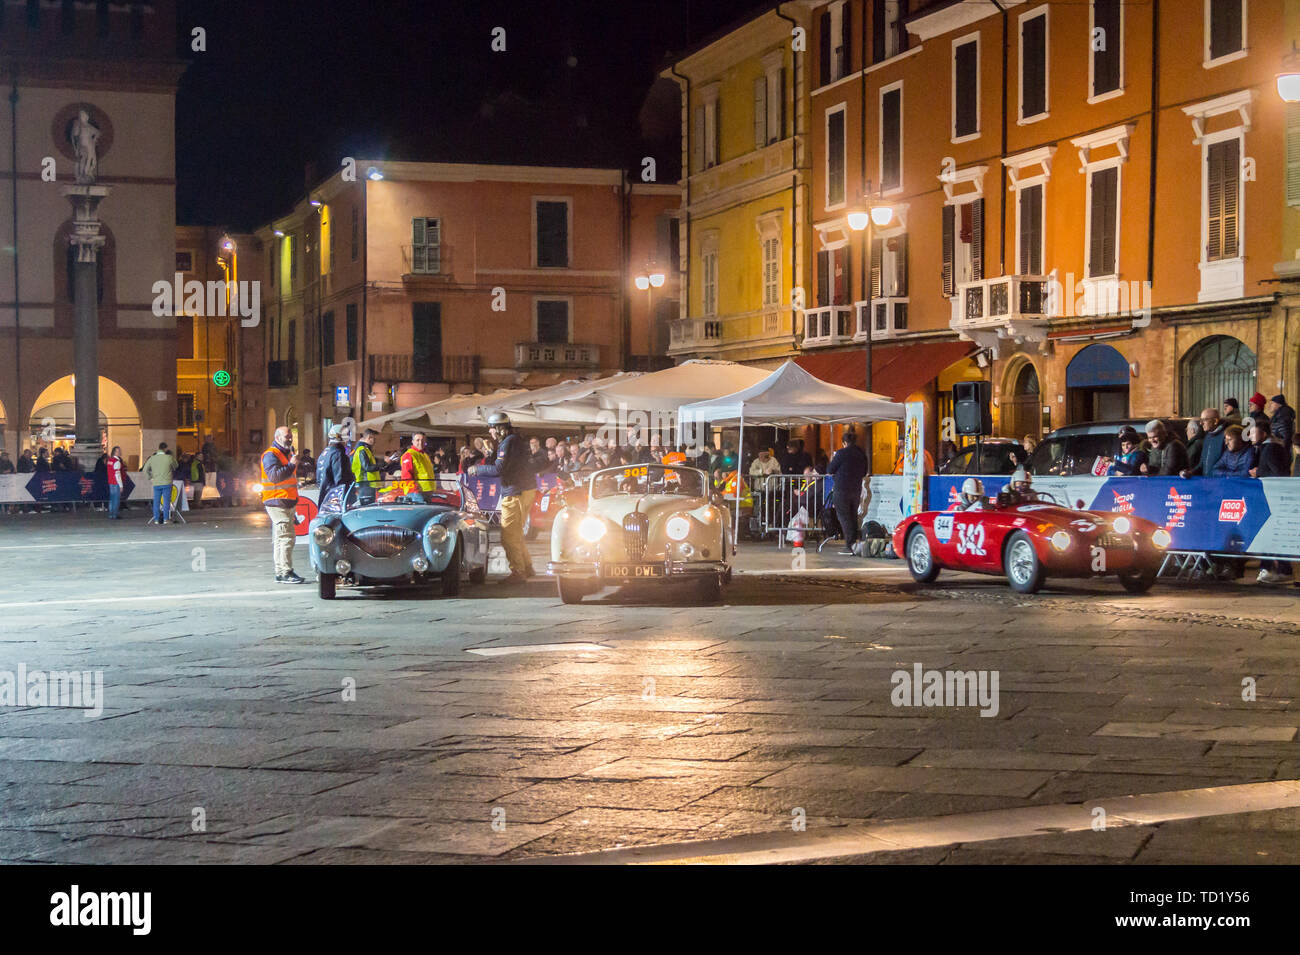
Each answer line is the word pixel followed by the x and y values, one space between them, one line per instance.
pixel 53 418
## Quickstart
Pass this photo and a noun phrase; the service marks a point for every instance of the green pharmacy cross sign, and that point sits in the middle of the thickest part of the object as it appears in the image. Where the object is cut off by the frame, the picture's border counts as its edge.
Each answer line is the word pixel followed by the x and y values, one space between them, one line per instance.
pixel 221 378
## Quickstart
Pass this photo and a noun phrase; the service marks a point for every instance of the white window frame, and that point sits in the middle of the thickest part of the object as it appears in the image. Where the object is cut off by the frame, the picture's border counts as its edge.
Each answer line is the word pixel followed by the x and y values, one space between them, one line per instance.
pixel 1041 157
pixel 709 97
pixel 841 108
pixel 1021 119
pixel 952 128
pixel 1093 95
pixel 1223 278
pixel 568 228
pixel 1206 61
pixel 880 158
pixel 568 301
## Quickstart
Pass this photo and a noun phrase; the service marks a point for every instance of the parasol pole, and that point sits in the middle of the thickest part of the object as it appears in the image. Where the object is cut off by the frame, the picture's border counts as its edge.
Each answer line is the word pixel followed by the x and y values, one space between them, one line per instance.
pixel 740 456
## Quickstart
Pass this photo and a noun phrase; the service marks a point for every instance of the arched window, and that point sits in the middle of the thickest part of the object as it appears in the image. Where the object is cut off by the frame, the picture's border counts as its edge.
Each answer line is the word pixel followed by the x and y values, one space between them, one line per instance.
pixel 1216 368
pixel 1026 381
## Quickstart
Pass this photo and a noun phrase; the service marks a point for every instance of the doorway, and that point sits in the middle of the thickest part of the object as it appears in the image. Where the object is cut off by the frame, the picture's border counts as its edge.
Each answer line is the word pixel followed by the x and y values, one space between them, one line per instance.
pixel 1097 385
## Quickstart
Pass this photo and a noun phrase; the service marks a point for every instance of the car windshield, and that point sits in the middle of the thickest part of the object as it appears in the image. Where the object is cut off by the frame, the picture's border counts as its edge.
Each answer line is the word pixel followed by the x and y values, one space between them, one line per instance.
pixel 1071 453
pixel 389 492
pixel 647 479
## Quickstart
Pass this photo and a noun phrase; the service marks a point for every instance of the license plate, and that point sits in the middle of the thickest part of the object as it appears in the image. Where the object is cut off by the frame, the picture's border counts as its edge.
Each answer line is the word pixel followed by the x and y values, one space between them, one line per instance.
pixel 632 571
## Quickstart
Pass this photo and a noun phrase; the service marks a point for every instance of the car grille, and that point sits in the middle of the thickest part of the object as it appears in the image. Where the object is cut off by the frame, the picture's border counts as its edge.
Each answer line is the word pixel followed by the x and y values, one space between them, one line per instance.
pixel 635 527
pixel 1115 542
pixel 383 541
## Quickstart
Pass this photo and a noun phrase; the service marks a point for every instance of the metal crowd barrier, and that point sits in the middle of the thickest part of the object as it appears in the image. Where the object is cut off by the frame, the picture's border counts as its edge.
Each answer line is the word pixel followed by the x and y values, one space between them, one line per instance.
pixel 778 497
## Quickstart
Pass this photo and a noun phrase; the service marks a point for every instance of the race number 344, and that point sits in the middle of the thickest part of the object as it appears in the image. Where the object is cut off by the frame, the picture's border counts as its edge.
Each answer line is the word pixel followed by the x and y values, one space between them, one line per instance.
pixel 970 539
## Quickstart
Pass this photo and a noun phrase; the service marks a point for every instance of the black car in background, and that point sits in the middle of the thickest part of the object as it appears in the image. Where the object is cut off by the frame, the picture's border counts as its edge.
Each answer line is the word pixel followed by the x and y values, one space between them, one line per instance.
pixel 1074 448
pixel 995 457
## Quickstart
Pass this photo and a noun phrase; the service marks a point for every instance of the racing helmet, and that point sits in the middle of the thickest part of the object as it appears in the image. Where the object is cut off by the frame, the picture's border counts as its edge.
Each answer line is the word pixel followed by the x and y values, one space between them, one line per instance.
pixel 498 419
pixel 972 490
pixel 1020 479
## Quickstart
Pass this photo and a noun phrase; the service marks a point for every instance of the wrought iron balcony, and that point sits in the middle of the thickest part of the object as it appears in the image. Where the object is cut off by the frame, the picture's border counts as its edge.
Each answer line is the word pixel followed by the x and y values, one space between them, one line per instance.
pixel 542 355
pixel 407 368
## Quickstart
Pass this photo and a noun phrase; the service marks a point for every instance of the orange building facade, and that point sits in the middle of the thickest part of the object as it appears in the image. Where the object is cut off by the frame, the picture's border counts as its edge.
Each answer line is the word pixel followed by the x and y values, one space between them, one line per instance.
pixel 413 281
pixel 1091 219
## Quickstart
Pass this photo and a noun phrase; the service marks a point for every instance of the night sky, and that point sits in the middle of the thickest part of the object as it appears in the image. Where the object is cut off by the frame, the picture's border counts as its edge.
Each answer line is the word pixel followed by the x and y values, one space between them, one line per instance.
pixel 285 83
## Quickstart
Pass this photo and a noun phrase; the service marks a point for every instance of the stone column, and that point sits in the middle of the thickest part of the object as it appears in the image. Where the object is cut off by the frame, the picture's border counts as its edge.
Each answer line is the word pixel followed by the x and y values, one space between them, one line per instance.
pixel 86 239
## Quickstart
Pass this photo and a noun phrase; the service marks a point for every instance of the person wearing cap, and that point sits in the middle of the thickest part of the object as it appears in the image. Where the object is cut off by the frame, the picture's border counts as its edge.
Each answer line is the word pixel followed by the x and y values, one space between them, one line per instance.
pixel 513 468
pixel 333 470
pixel 1257 403
pixel 1131 457
pixel 1166 455
pixel 1231 411
pixel 1281 419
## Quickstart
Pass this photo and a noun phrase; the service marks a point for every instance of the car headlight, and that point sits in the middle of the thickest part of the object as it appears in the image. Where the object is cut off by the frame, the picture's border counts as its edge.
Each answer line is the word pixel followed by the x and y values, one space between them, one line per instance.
pixel 1161 538
pixel 678 527
pixel 436 534
pixel 323 535
pixel 1061 540
pixel 1122 525
pixel 591 529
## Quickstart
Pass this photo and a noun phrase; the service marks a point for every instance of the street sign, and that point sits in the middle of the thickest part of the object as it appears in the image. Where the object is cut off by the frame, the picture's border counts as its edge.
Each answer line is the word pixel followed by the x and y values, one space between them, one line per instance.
pixel 221 378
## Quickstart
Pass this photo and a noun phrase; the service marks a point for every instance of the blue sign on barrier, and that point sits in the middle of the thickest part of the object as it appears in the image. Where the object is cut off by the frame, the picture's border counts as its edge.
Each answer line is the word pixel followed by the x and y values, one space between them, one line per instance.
pixel 69 487
pixel 483 493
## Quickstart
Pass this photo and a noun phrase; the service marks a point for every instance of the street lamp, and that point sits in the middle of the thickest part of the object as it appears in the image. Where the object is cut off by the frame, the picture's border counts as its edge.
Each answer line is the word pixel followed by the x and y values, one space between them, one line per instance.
pixel 647 281
pixel 876 214
pixel 1288 81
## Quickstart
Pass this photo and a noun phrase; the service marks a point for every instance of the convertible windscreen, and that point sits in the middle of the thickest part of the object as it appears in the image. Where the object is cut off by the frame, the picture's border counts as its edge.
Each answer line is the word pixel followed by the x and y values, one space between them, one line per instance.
pixel 647 479
pixel 392 492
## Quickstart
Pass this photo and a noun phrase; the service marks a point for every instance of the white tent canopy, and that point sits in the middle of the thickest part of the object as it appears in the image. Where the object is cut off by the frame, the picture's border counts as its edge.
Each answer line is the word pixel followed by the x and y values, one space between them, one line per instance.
pixel 694 380
pixel 790 395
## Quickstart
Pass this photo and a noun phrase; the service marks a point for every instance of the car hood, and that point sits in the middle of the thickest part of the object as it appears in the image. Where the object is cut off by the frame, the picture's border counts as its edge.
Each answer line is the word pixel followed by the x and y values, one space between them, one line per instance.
pixel 411 516
pixel 656 506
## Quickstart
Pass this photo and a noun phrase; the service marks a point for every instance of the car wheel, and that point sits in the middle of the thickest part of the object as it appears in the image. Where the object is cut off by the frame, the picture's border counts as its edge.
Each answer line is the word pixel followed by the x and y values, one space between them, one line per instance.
pixel 710 588
pixel 1025 572
pixel 571 591
pixel 1137 583
pixel 451 576
pixel 920 560
pixel 327 583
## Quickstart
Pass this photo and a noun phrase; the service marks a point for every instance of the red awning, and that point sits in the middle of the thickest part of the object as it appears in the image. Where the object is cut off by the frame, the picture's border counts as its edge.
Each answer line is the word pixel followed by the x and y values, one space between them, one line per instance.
pixel 896 370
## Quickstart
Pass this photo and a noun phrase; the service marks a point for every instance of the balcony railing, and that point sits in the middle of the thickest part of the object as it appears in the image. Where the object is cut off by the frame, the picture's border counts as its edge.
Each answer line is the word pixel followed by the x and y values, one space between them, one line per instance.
pixel 828 325
pixel 1000 301
pixel 687 333
pixel 890 317
pixel 407 368
pixel 556 355
pixel 281 374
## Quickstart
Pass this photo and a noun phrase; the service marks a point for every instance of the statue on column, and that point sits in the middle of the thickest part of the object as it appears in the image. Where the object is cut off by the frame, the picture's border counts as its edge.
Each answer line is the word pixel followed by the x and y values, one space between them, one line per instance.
pixel 85 138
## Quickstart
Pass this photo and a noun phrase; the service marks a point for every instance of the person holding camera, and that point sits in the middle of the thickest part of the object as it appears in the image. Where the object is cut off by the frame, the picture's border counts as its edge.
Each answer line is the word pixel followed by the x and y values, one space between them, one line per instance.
pixel 280 498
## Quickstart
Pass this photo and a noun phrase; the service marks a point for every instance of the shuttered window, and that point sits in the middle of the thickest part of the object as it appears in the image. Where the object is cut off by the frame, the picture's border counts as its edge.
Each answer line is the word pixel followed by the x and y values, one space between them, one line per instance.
pixel 842 47
pixel 824 38
pixel 965 90
pixel 973 218
pixel 710 284
pixel 949 229
pixel 771 271
pixel 776 105
pixel 1107 46
pixel 1222 199
pixel 760 112
pixel 426 245
pixel 835 158
pixel 697 140
pixel 891 139
pixel 1226 33
pixel 711 134
pixel 1104 193
pixel 823 279
pixel 1033 66
pixel 889 267
pixel 840 286
pixel 552 234
pixel 1030 256
pixel 1293 154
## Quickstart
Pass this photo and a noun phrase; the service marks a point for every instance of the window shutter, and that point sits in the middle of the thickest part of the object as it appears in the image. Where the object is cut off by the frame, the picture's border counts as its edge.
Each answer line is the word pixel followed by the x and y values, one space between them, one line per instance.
pixel 1225 27
pixel 877 261
pixel 877 30
pixel 697 140
pixel 824 29
pixel 823 279
pixel 1031 231
pixel 965 106
pixel 1101 218
pixel 1033 93
pixel 1222 199
pixel 1293 154
pixel 1105 63
pixel 715 135
pixel 776 120
pixel 417 232
pixel 977 240
pixel 846 39
pixel 891 132
pixel 903 39
pixel 760 112
pixel 949 223
pixel 900 266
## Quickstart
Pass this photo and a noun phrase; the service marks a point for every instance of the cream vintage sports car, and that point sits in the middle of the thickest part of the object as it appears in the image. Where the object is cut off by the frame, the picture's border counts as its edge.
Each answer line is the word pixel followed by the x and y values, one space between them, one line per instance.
pixel 642 523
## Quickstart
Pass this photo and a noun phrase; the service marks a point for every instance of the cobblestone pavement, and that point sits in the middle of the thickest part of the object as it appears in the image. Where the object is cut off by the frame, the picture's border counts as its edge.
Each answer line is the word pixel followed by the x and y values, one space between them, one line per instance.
pixel 226 736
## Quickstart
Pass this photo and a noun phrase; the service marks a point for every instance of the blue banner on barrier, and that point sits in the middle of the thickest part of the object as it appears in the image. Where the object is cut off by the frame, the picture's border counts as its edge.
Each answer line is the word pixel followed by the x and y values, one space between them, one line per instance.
pixel 1218 515
pixel 65 487
pixel 481 493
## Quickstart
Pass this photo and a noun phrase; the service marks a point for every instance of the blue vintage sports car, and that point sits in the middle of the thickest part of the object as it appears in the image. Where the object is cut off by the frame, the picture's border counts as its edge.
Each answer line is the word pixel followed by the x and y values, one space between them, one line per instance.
pixel 397 535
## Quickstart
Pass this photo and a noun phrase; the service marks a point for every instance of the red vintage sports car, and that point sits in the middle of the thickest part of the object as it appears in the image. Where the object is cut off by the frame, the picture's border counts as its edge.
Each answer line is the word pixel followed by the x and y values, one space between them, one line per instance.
pixel 1029 537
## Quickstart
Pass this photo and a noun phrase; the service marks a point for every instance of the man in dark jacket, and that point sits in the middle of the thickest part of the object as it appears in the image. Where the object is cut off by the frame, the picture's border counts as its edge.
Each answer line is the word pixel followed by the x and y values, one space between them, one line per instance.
pixel 795 460
pixel 333 470
pixel 1281 417
pixel 1237 457
pixel 848 468
pixel 1166 455
pixel 1211 445
pixel 514 468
